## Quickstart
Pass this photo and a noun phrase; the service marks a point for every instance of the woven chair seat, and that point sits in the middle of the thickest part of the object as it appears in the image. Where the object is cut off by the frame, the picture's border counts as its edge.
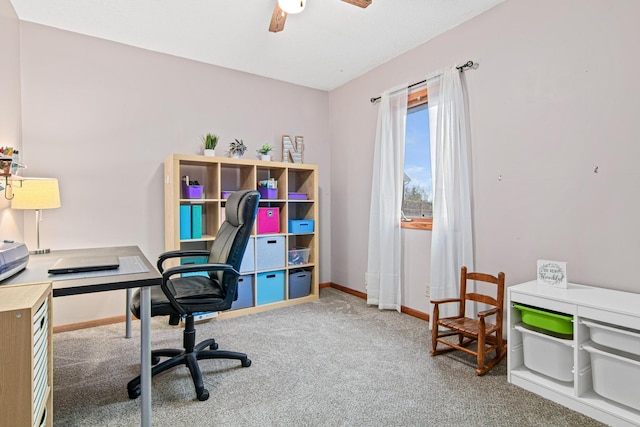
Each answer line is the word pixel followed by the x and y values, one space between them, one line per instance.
pixel 466 325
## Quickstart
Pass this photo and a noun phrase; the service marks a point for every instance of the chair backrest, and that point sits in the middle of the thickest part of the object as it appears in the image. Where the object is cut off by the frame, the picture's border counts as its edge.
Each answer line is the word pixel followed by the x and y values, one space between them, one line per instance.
pixel 232 237
pixel 498 301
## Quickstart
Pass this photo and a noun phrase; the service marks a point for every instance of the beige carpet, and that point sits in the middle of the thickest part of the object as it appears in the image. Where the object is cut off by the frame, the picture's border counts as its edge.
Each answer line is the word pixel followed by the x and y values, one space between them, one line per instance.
pixel 333 362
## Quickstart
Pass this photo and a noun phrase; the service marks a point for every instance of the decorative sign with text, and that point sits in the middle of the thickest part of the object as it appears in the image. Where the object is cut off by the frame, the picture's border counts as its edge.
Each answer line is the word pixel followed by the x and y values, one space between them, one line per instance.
pixel 552 273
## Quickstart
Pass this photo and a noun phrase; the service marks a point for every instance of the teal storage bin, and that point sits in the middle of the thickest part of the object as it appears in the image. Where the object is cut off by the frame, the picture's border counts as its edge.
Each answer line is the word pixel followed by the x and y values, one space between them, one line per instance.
pixel 194 260
pixel 301 226
pixel 196 222
pixel 185 222
pixel 270 287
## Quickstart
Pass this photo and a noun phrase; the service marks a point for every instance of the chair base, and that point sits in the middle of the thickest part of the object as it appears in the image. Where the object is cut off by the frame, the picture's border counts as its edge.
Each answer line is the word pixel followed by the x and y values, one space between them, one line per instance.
pixel 190 359
pixel 500 353
pixel 188 356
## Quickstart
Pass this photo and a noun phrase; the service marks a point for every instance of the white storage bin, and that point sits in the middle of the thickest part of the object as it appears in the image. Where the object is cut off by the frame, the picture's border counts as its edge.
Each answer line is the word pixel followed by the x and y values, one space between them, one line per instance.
pixel 547 355
pixel 618 337
pixel 270 253
pixel 615 376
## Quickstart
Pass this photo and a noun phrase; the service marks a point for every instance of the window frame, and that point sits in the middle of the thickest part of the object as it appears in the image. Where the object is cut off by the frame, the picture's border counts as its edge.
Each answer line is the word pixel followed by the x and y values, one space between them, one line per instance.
pixel 413 100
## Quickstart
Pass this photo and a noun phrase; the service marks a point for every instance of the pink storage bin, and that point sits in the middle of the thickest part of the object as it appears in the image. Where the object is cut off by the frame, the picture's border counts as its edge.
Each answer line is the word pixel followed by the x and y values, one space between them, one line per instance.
pixel 268 220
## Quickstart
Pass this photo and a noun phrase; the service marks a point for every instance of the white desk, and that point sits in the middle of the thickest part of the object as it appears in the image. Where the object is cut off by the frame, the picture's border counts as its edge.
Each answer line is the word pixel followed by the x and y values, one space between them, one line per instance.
pixel 36 272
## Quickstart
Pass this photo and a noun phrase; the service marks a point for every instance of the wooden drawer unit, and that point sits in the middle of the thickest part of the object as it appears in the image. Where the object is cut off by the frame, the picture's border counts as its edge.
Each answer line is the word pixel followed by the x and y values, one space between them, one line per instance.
pixel 26 359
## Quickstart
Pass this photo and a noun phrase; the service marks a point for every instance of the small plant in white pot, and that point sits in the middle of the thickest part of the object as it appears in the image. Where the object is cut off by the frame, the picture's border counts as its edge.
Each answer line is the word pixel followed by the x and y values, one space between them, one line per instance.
pixel 209 141
pixel 237 149
pixel 264 152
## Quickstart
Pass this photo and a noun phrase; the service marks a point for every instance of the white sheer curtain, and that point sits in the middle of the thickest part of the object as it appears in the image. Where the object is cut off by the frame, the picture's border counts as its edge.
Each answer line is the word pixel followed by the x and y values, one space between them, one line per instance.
pixel 452 234
pixel 383 266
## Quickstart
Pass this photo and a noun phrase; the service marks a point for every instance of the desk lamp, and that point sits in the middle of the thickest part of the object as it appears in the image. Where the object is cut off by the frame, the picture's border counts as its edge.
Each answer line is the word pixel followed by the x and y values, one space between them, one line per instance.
pixel 37 193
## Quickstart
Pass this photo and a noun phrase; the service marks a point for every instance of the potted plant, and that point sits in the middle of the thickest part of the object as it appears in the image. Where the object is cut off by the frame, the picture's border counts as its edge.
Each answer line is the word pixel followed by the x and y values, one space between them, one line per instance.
pixel 209 141
pixel 237 149
pixel 264 152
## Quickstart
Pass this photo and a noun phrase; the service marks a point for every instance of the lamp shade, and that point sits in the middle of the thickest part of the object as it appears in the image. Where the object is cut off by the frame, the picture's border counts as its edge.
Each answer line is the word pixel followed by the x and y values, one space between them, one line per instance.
pixel 36 193
pixel 292 6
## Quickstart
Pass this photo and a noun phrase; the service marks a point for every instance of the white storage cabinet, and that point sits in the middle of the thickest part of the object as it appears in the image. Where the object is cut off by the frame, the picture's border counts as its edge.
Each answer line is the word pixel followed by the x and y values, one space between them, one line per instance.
pixel 597 372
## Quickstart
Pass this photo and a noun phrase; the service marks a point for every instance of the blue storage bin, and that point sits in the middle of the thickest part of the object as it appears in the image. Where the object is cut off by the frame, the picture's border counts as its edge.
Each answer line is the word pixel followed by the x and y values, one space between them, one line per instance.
pixel 299 284
pixel 245 293
pixel 301 225
pixel 270 287
pixel 249 259
pixel 270 253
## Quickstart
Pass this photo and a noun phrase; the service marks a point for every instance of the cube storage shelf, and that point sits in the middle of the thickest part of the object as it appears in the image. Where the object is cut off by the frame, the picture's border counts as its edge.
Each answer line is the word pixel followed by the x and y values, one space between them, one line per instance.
pixel 265 267
pixel 593 370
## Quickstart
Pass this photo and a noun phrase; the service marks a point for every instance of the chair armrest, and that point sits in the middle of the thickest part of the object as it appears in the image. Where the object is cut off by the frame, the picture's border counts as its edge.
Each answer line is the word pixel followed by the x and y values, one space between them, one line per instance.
pixel 179 254
pixel 444 301
pixel 486 313
pixel 193 268
pixel 189 268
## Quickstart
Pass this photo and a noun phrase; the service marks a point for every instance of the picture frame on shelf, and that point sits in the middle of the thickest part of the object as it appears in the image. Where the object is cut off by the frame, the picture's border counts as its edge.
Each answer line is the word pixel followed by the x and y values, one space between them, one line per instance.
pixel 552 273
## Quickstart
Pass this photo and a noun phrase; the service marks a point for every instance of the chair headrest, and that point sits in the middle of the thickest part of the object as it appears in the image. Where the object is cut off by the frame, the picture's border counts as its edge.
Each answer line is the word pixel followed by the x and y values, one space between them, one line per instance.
pixel 236 204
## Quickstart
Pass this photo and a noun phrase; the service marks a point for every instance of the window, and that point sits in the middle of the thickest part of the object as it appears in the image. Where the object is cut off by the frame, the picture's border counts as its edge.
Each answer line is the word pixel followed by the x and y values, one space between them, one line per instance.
pixel 418 191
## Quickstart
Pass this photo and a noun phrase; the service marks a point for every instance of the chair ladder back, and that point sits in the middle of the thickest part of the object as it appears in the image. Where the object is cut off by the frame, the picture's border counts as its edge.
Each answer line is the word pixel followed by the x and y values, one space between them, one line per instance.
pixel 485 299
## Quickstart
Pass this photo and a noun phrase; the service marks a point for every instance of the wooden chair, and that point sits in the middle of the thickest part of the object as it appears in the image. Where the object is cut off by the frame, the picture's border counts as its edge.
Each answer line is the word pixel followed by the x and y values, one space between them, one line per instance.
pixel 487 335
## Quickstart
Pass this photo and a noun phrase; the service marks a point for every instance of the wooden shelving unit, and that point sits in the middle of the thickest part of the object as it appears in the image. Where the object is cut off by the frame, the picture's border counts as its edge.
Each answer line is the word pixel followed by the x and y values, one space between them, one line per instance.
pixel 221 174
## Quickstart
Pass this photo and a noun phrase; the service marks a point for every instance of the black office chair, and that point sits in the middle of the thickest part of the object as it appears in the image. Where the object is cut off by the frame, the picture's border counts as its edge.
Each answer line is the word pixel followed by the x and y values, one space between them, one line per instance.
pixel 182 296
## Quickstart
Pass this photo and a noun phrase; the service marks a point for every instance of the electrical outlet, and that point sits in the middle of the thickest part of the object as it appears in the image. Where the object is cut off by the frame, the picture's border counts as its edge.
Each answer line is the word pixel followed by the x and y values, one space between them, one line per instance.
pixel 428 289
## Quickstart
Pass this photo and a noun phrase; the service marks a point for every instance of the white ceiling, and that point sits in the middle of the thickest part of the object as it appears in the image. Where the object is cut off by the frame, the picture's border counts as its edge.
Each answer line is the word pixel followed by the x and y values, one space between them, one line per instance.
pixel 328 44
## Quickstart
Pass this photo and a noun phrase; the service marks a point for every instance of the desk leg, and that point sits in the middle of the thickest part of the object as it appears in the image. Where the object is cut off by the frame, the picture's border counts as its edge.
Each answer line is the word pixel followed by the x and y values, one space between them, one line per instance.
pixel 127 315
pixel 145 355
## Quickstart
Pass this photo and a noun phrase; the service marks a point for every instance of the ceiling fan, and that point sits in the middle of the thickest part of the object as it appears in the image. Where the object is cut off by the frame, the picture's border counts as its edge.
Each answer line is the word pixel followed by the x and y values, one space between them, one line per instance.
pixel 285 7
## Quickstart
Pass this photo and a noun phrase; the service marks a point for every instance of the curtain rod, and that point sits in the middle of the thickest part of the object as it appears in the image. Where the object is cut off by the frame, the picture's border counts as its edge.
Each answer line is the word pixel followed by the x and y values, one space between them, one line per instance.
pixel 462 67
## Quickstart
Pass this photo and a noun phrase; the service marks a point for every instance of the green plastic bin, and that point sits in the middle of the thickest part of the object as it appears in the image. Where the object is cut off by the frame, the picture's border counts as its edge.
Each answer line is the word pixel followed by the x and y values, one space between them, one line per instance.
pixel 547 320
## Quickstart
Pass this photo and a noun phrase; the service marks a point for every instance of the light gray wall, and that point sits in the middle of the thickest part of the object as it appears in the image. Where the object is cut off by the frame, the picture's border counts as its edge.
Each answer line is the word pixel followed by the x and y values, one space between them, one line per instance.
pixel 101 117
pixel 555 95
pixel 10 115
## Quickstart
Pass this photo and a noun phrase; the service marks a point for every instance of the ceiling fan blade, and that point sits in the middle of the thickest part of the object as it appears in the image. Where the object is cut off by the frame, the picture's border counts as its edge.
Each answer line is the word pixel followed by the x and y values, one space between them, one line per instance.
pixel 359 3
pixel 277 19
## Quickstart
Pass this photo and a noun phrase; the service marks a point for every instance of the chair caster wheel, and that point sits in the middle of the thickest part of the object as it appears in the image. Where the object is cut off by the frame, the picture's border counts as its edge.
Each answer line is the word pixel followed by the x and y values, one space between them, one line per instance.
pixel 155 360
pixel 204 395
pixel 246 363
pixel 213 346
pixel 135 393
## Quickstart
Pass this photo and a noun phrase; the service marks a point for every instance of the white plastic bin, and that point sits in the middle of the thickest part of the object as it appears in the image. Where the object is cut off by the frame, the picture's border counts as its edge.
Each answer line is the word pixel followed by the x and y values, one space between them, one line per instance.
pixel 547 355
pixel 615 376
pixel 625 339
